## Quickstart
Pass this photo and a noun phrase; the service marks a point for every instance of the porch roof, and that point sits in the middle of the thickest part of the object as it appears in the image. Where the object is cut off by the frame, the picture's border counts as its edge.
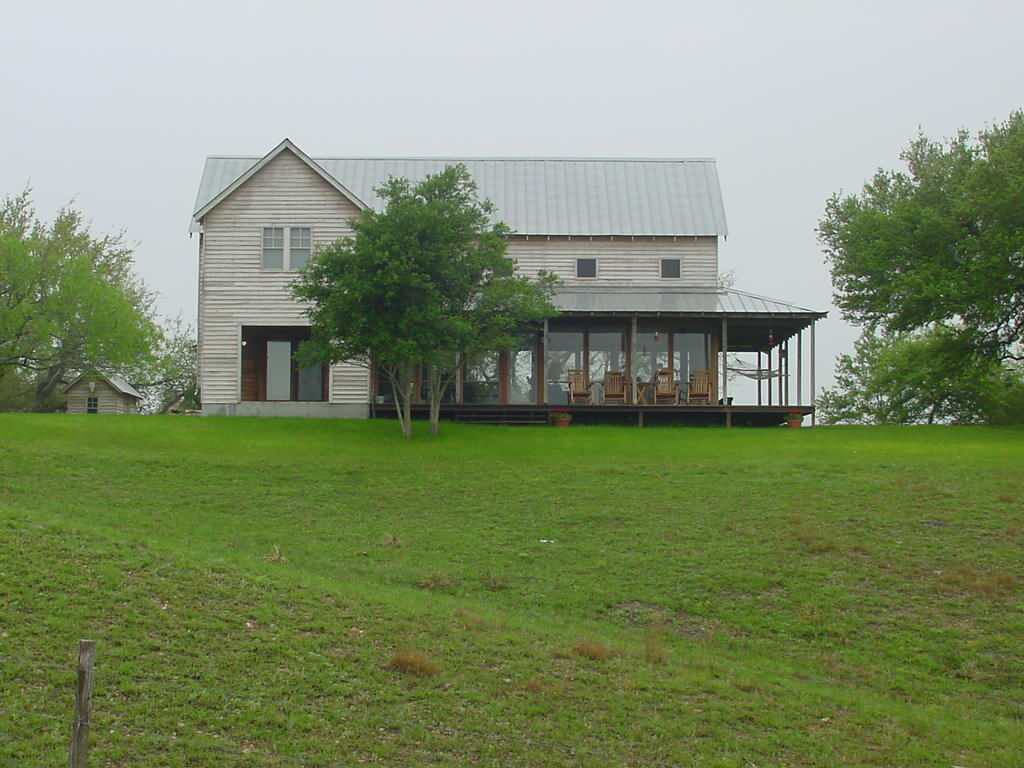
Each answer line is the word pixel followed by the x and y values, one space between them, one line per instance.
pixel 707 302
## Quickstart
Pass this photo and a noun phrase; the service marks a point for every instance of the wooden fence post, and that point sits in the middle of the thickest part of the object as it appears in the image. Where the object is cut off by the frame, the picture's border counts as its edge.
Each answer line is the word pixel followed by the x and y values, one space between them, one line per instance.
pixel 83 705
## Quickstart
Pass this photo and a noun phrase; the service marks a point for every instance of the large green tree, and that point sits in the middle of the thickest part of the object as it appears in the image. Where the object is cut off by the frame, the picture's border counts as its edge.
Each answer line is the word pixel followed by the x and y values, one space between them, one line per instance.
pixel 69 301
pixel 941 242
pixel 425 281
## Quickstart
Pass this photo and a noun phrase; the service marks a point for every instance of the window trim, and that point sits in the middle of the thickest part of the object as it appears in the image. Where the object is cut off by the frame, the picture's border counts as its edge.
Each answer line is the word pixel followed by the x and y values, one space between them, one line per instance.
pixel 286 249
pixel 291 229
pixel 679 268
pixel 597 268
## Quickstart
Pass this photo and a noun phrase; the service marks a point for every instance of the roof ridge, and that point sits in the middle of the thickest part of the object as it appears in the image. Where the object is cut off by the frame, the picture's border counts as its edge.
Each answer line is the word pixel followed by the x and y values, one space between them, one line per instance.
pixel 489 158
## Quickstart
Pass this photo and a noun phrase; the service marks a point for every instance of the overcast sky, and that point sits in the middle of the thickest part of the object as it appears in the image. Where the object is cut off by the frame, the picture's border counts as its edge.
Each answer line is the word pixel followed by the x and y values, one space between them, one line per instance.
pixel 115 105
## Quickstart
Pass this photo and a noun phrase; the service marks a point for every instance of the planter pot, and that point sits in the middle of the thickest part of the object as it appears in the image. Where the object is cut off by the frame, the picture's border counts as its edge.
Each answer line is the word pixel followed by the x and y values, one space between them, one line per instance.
pixel 560 419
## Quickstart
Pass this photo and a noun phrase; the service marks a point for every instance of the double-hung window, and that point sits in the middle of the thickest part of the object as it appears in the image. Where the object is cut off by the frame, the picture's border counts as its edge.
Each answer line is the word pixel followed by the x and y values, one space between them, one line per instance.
pixel 92 405
pixel 299 247
pixel 287 248
pixel 273 247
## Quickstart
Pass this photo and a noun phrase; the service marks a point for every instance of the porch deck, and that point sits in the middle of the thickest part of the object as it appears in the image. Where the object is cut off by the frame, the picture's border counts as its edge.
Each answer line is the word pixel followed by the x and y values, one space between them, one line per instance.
pixel 630 414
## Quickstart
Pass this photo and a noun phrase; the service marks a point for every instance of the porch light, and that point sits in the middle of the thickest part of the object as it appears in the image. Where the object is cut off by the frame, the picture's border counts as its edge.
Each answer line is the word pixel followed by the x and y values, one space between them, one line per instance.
pixel 771 337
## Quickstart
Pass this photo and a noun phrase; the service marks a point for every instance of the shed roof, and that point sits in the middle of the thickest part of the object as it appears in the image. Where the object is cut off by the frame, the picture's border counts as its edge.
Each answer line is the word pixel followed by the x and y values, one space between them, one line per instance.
pixel 114 380
pixel 535 196
pixel 682 301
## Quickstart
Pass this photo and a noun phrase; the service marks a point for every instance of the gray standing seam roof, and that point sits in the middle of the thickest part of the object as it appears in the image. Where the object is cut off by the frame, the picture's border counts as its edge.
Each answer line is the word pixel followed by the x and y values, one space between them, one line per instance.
pixel 538 196
pixel 680 301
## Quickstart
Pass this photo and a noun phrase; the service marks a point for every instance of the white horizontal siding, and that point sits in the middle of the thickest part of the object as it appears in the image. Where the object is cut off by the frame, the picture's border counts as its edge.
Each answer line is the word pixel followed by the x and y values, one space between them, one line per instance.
pixel 234 288
pixel 621 261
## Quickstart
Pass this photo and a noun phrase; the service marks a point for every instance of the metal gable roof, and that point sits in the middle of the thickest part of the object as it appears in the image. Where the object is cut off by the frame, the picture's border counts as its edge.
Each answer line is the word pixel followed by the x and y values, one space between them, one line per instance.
pixel 116 381
pixel 542 196
pixel 630 299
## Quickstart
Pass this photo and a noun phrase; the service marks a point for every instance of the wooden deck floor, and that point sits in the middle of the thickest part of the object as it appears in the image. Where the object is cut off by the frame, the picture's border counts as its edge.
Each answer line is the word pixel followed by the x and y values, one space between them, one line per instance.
pixel 739 415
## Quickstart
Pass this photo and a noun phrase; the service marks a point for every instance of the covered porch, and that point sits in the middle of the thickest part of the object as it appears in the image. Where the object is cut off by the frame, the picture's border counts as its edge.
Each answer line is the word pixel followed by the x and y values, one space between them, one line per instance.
pixel 635 355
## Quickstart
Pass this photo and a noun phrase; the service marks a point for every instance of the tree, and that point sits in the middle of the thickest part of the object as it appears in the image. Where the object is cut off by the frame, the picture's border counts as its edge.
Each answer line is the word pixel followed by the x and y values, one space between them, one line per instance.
pixel 939 243
pixel 424 282
pixel 69 301
pixel 920 377
pixel 170 373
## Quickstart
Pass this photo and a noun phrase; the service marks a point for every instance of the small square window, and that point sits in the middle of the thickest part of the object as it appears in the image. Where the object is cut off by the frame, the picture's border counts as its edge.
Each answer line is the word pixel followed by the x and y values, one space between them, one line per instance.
pixel 299 247
pixel 273 247
pixel 92 405
pixel 586 267
pixel 670 268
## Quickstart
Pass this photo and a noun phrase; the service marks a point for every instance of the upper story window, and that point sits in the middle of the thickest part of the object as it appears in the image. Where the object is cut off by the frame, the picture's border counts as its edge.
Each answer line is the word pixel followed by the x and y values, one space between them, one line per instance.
pixel 299 247
pixel 669 268
pixel 273 247
pixel 586 267
pixel 287 248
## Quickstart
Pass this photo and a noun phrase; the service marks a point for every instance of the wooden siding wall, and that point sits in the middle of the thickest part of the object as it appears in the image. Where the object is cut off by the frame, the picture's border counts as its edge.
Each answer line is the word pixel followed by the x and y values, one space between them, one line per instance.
pixel 234 288
pixel 621 261
pixel 108 400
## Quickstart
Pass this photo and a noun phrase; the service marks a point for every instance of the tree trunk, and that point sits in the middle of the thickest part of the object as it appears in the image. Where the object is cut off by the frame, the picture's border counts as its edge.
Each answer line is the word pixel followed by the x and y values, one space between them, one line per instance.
pixel 407 417
pixel 46 384
pixel 435 400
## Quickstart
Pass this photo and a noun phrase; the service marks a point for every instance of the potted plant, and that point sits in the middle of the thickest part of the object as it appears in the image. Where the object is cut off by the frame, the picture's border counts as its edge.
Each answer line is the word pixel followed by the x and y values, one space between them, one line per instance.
pixel 560 418
pixel 794 419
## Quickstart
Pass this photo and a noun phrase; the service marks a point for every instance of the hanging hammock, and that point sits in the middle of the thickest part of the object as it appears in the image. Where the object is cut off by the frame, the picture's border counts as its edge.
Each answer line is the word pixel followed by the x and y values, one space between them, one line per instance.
pixel 754 373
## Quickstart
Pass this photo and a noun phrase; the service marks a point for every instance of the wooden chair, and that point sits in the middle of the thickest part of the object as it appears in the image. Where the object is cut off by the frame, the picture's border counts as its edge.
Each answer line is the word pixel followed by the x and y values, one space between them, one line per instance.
pixel 615 388
pixel 699 387
pixel 666 391
pixel 579 387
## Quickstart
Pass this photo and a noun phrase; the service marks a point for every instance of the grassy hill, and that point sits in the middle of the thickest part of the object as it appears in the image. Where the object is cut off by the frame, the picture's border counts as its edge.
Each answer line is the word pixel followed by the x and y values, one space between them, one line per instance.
pixel 285 593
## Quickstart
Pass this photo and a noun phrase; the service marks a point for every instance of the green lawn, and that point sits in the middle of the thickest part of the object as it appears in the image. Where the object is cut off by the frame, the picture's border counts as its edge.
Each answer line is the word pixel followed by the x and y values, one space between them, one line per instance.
pixel 591 596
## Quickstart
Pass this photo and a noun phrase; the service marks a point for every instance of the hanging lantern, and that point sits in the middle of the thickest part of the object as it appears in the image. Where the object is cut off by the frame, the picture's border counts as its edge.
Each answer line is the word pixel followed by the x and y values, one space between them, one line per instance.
pixel 771 338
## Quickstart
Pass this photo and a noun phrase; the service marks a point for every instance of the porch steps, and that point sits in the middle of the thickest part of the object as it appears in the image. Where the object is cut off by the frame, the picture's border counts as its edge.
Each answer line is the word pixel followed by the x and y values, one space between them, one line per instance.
pixel 502 417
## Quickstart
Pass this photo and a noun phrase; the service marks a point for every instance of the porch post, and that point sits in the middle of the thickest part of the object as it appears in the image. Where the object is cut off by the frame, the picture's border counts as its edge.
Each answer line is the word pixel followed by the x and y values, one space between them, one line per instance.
pixel 787 372
pixel 632 360
pixel 759 377
pixel 800 367
pixel 768 382
pixel 782 364
pixel 544 367
pixel 812 372
pixel 725 370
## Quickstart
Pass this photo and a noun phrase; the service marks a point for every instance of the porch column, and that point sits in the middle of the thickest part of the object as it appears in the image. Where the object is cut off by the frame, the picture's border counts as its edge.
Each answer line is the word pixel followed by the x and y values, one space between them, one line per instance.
pixel 725 370
pixel 759 382
pixel 812 371
pixel 786 390
pixel 768 381
pixel 543 389
pixel 632 360
pixel 800 367
pixel 782 364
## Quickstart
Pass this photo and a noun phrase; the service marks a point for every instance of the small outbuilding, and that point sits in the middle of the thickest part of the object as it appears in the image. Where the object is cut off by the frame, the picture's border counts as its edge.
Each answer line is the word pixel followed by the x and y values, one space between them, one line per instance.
pixel 102 393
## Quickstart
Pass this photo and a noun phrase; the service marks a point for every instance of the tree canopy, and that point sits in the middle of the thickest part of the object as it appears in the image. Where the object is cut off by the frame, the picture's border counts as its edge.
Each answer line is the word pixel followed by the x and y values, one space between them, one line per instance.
pixel 69 301
pixel 425 282
pixel 941 242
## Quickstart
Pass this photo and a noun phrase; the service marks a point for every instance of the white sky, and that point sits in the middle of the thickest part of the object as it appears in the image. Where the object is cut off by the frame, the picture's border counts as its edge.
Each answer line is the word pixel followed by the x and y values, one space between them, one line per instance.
pixel 115 105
